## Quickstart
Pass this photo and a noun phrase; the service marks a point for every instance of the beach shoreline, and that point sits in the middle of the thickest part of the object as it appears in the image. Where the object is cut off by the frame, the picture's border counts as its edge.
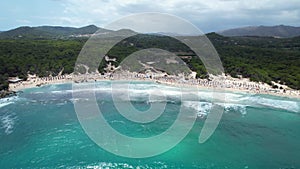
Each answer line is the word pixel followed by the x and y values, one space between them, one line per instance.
pixel 220 85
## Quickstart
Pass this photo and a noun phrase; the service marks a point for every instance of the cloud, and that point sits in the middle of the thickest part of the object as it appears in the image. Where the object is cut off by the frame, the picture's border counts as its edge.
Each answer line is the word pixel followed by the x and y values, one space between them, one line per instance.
pixel 212 15
pixel 153 23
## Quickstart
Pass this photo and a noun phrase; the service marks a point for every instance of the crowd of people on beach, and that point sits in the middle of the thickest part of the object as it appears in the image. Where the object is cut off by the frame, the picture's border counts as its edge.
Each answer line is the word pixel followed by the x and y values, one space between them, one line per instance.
pixel 217 82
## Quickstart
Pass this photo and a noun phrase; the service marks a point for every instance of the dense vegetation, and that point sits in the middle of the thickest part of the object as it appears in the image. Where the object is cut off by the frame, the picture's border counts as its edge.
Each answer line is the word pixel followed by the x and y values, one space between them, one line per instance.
pixel 263 59
pixel 139 42
pixel 259 58
pixel 41 57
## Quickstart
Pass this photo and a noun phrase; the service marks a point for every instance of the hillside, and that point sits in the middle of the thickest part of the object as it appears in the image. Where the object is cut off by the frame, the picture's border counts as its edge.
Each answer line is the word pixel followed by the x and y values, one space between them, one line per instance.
pixel 280 31
pixel 49 32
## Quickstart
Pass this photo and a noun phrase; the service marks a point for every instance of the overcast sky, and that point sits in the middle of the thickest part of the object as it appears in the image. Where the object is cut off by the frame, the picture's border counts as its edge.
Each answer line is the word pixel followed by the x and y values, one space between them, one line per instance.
pixel 207 15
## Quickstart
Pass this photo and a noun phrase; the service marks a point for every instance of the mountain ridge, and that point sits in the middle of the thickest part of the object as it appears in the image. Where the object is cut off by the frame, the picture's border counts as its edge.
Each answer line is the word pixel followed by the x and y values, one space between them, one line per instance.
pixel 278 31
pixel 49 32
pixel 62 32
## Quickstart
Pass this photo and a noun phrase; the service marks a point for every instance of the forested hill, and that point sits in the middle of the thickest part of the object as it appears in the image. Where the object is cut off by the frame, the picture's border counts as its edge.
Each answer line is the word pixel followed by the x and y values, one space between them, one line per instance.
pixel 279 31
pixel 258 58
pixel 50 32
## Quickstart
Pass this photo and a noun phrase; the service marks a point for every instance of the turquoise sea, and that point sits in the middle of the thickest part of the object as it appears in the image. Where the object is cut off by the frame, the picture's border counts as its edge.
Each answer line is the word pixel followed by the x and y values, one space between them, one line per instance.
pixel 40 129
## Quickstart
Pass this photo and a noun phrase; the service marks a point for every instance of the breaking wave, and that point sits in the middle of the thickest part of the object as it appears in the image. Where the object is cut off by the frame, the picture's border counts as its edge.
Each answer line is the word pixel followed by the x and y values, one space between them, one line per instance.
pixel 142 91
pixel 158 165
pixel 287 105
pixel 8 122
pixel 8 101
pixel 203 108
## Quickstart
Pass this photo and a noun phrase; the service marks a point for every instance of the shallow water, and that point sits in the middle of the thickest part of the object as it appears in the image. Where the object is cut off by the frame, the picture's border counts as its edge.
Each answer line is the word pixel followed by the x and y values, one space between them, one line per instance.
pixel 39 129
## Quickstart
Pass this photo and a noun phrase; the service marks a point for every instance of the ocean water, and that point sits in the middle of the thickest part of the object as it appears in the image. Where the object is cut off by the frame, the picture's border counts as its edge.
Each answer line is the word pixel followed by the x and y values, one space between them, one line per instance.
pixel 39 128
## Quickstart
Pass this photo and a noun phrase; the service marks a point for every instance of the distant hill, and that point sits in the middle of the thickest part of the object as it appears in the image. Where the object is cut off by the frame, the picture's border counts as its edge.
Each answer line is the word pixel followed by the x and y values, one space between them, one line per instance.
pixel 49 32
pixel 280 31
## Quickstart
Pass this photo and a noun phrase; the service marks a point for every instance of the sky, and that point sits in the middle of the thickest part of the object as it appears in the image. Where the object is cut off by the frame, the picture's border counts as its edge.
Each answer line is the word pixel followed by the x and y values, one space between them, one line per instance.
pixel 207 15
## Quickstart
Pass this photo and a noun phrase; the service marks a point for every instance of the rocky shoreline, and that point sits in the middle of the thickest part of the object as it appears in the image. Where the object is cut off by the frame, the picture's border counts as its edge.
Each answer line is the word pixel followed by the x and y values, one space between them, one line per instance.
pixel 7 93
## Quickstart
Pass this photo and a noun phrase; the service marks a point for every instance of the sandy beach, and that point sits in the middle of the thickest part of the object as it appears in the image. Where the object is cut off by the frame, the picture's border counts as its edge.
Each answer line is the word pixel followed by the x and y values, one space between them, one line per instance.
pixel 224 83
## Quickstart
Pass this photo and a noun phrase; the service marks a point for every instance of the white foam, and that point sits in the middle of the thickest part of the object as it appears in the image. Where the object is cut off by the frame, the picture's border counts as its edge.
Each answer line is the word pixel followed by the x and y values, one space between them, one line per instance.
pixel 288 105
pixel 203 108
pixel 240 102
pixel 61 104
pixel 37 92
pixel 5 104
pixel 200 107
pixel 58 91
pixel 235 107
pixel 111 165
pixel 8 101
pixel 118 121
pixel 234 101
pixel 8 122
